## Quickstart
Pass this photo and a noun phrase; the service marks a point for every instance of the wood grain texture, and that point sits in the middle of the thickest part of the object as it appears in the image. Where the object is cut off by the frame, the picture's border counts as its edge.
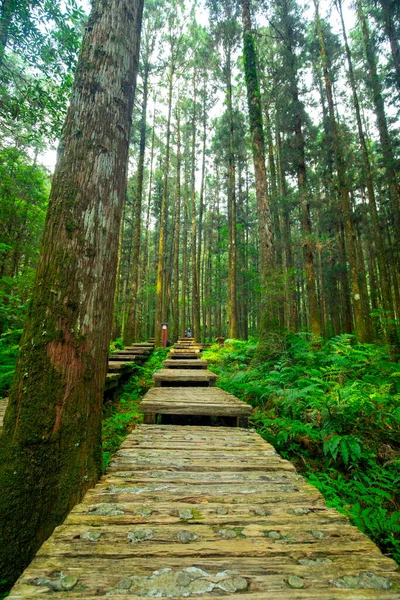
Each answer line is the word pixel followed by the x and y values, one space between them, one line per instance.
pixel 193 401
pixel 206 512
pixel 184 364
pixel 184 376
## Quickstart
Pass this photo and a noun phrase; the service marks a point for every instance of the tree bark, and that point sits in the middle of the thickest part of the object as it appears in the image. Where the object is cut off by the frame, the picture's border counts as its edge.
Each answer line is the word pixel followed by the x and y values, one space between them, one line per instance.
pixel 195 281
pixel 177 234
pixel 232 251
pixel 50 449
pixel 163 224
pixel 131 327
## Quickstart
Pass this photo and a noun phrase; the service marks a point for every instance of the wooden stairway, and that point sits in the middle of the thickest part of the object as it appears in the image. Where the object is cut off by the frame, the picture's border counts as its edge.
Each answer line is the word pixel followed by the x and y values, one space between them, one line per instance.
pixel 205 512
pixel 189 391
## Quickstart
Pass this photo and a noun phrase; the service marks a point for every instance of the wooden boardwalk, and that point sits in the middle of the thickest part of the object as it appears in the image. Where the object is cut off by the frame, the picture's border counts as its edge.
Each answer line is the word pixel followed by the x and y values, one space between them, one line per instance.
pixel 205 512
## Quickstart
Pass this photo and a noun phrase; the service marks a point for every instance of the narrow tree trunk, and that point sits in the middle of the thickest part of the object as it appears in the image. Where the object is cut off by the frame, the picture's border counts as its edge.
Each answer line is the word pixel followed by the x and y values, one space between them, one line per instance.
pixel 177 234
pixel 115 326
pixel 163 223
pixel 359 316
pixel 50 449
pixel 232 252
pixel 195 281
pixel 290 282
pixel 258 148
pixel 304 201
pixel 130 331
pixel 185 251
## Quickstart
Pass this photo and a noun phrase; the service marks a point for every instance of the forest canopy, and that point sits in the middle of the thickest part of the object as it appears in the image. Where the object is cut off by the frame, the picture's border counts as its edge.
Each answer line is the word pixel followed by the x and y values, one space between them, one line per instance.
pixel 322 82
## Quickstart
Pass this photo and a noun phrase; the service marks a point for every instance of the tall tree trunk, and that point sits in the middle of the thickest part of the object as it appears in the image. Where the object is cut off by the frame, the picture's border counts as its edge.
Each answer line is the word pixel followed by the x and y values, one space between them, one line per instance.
pixel 185 251
pixel 195 281
pixel 115 326
pixel 258 149
pixel 177 234
pixel 359 316
pixel 232 250
pixel 130 330
pixel 160 308
pixel 304 200
pixel 50 449
pixel 146 258
pixel 290 282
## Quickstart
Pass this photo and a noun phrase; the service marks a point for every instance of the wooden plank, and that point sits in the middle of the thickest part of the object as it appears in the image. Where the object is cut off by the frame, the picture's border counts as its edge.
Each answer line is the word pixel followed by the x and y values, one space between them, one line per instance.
pixel 185 364
pixel 193 401
pixel 225 516
pixel 183 355
pixel 165 376
pixel 120 367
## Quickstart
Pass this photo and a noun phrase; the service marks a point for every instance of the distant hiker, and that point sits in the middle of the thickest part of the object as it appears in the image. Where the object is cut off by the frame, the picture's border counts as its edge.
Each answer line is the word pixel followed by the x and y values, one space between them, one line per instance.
pixel 188 333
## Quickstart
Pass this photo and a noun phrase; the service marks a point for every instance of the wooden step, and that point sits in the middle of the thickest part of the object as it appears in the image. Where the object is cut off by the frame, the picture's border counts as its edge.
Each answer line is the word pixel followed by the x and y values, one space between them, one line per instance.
pixel 202 512
pixel 186 347
pixel 168 377
pixel 185 364
pixel 120 367
pixel 183 355
pixel 193 401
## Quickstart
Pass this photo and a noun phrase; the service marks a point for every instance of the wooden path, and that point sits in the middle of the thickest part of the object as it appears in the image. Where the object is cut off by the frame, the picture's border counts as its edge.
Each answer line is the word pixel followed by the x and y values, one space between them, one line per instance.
pixel 120 366
pixel 186 388
pixel 205 512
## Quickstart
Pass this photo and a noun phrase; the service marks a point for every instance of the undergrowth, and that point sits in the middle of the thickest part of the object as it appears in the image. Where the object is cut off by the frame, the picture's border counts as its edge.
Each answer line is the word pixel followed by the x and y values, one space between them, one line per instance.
pixel 121 416
pixel 333 410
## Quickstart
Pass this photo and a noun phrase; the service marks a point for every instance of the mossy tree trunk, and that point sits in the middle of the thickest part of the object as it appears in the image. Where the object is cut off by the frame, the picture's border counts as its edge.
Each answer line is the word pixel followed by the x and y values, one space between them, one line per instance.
pixel 50 450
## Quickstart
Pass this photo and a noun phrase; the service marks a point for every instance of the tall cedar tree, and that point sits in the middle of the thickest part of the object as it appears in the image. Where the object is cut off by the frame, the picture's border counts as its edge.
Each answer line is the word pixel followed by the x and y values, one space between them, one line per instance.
pixel 50 450
pixel 258 147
